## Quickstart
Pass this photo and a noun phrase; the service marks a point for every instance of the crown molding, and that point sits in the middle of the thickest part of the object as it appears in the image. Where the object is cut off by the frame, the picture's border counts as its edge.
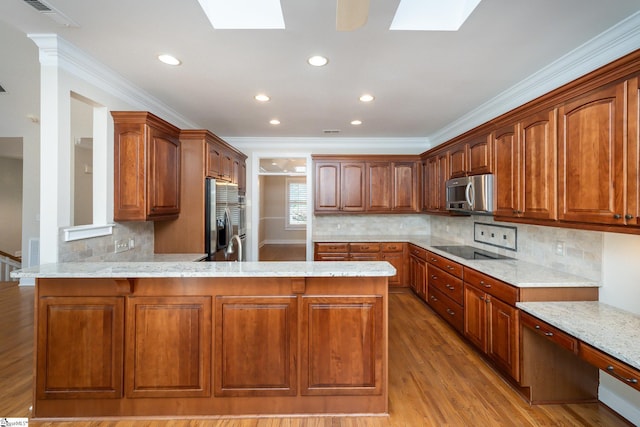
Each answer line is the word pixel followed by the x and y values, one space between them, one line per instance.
pixel 614 43
pixel 57 52
pixel 332 145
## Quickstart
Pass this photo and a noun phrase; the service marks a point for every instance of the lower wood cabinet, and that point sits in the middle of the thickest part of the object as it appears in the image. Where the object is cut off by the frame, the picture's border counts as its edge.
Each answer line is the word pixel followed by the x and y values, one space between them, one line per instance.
pixel 341 352
pixel 445 289
pixel 242 323
pixel 418 270
pixel 201 346
pixel 80 342
pixel 392 252
pixel 168 346
pixel 491 324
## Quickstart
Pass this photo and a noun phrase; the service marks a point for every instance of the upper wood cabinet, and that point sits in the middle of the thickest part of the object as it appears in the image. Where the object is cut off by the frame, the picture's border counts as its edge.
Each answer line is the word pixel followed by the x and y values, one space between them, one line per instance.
pixel 525 168
pixel 435 175
pixel 146 167
pixel 632 212
pixel 471 157
pixel 591 158
pixel 365 184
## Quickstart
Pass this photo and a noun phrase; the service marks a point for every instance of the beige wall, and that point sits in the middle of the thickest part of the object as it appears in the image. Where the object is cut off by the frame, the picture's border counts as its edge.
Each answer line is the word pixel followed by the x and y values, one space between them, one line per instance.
pixel 273 213
pixel 10 205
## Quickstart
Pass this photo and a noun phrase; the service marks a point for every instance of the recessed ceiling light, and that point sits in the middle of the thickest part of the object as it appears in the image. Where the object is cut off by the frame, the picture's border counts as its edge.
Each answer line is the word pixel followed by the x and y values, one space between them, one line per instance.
pixel 261 97
pixel 366 98
pixel 356 122
pixel 274 121
pixel 169 60
pixel 318 61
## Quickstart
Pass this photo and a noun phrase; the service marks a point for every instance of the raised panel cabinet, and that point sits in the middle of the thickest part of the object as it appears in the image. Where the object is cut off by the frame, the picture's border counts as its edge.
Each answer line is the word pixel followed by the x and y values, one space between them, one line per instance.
pixel 327 183
pixel 405 186
pixel 503 341
pixel 458 160
pixel 352 186
pixel 378 194
pixel 479 154
pixel 146 167
pixel 507 171
pixel 168 351
pixel 80 342
pixel 348 361
pixel 260 329
pixel 591 157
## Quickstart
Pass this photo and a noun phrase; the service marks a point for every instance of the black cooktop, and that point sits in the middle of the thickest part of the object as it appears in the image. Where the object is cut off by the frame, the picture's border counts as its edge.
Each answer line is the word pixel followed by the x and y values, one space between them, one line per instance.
pixel 469 252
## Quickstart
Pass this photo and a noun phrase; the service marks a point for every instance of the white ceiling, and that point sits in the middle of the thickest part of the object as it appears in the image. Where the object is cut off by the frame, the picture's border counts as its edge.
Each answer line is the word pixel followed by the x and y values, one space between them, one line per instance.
pixel 422 81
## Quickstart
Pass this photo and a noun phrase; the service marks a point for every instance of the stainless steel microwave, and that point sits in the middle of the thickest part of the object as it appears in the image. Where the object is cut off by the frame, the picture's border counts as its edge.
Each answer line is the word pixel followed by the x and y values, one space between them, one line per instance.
pixel 470 194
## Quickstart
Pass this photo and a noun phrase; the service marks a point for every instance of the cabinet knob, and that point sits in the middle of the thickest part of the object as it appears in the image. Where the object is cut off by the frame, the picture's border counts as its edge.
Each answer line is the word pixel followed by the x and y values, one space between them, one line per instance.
pixel 549 334
pixel 628 216
pixel 450 312
pixel 617 216
pixel 434 277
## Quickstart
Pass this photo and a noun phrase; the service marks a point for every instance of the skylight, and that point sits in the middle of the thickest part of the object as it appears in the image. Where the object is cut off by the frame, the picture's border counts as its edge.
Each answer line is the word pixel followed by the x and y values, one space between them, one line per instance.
pixel 432 15
pixel 243 14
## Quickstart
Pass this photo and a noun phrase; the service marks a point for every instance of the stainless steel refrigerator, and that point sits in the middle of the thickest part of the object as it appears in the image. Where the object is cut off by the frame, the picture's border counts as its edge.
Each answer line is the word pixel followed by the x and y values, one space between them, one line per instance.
pixel 222 219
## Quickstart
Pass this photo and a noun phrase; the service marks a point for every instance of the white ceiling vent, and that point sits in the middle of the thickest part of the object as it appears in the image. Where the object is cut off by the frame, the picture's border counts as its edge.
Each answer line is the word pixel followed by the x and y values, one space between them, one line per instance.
pixel 331 131
pixel 52 12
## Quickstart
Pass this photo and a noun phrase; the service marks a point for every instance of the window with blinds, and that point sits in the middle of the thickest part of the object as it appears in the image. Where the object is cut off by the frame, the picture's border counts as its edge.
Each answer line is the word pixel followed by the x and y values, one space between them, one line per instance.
pixel 296 203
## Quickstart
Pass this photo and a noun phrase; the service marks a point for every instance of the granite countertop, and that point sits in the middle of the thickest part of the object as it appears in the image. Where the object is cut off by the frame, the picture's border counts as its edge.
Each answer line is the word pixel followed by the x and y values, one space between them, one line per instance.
pixel 610 329
pixel 207 269
pixel 516 272
pixel 176 257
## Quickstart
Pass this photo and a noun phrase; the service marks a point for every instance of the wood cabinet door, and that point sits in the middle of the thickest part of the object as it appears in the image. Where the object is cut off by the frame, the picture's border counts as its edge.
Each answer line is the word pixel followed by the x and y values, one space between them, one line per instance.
pixel 163 178
pixel 255 329
pixel 590 157
pixel 242 178
pixel 214 157
pixel 352 186
pixel 327 183
pixel 405 186
pixel 342 345
pixel 475 317
pixel 430 194
pixel 538 145
pixel 632 213
pixel 480 155
pixel 458 161
pixel 378 182
pixel 507 172
pixel 504 337
pixel 168 351
pixel 440 186
pixel 129 178
pixel 80 342
pixel 226 166
pixel 396 259
pixel 418 276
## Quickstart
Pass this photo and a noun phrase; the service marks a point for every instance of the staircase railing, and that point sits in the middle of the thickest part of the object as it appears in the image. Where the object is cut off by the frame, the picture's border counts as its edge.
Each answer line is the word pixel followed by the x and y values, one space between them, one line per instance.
pixel 8 263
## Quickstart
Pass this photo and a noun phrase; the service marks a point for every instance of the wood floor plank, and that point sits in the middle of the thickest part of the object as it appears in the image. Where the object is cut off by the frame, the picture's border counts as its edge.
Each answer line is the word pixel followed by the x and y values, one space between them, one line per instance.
pixel 435 379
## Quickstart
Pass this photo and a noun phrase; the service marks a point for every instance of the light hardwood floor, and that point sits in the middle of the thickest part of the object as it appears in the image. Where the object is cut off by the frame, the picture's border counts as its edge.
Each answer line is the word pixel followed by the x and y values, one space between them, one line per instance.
pixel 283 252
pixel 435 379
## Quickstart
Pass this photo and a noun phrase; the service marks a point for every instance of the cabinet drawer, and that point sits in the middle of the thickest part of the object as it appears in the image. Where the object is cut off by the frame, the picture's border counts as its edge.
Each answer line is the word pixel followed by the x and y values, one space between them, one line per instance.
pixel 332 247
pixel 392 247
pixel 364 247
pixel 494 287
pixel 446 283
pixel 553 334
pixel 445 264
pixel 417 251
pixel 364 256
pixel 446 308
pixel 337 256
pixel 611 366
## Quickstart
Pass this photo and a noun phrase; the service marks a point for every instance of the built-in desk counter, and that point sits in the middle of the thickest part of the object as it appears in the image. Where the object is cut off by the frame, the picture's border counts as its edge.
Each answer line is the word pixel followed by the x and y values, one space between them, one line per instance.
pixel 184 339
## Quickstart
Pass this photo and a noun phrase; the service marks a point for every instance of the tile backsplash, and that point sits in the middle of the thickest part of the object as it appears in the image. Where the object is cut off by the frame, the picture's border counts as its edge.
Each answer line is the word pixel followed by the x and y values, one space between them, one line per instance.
pixel 103 248
pixel 581 249
pixel 370 225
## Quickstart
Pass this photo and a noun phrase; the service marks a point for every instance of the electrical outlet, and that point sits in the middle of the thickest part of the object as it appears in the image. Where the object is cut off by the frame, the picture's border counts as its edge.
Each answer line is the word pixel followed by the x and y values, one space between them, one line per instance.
pixel 559 248
pixel 132 243
pixel 121 245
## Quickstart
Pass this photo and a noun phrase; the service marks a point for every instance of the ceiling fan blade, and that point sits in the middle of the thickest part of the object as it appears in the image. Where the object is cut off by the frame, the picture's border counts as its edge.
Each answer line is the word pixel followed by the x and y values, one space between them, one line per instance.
pixel 351 14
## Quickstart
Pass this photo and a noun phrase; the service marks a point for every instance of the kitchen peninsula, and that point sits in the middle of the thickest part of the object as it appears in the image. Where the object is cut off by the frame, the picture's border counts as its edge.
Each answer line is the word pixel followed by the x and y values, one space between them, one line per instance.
pixel 206 339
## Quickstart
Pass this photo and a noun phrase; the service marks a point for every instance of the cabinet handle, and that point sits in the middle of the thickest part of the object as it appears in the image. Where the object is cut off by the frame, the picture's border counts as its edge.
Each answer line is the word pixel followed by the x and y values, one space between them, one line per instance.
pixel 450 312
pixel 617 216
pixel 433 298
pixel 450 267
pixel 484 284
pixel 451 288
pixel 434 260
pixel 549 334
pixel 537 326
pixel 434 277
pixel 611 369
pixel 628 216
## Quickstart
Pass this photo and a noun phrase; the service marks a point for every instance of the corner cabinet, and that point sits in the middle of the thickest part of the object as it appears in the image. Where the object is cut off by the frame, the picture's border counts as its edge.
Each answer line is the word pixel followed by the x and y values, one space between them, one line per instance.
pixel 146 167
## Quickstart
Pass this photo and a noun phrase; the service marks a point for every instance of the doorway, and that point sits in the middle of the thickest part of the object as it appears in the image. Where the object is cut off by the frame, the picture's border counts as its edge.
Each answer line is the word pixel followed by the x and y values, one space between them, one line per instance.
pixel 283 211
